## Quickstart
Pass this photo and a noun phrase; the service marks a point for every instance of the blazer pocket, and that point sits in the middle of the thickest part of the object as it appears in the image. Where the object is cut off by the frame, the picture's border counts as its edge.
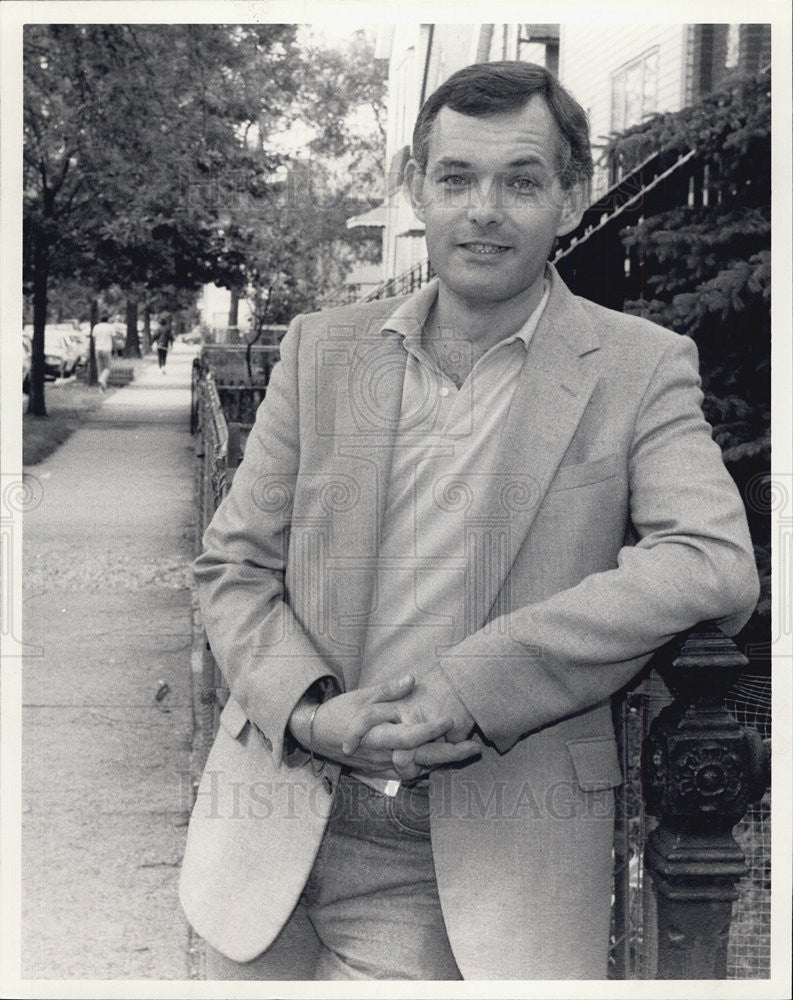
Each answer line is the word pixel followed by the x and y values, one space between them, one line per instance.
pixel 596 762
pixel 233 719
pixel 584 473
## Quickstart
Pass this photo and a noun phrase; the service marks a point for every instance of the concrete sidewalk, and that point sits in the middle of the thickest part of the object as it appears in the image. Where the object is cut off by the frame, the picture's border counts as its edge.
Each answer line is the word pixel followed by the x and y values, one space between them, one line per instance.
pixel 106 789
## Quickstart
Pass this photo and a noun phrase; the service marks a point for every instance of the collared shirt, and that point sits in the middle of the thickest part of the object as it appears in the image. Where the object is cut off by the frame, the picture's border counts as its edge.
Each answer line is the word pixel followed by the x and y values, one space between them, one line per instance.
pixel 425 596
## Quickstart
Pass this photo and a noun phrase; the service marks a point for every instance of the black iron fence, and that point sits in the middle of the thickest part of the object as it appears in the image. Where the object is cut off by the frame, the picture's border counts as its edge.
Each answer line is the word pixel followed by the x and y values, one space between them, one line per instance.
pixel 692 843
pixel 228 384
pixel 704 784
pixel 240 372
pixel 605 272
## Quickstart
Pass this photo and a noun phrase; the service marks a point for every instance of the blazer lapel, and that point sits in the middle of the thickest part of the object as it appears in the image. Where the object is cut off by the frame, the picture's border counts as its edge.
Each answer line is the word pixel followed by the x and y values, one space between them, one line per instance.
pixel 556 382
pixel 356 443
pixel 367 418
pixel 368 392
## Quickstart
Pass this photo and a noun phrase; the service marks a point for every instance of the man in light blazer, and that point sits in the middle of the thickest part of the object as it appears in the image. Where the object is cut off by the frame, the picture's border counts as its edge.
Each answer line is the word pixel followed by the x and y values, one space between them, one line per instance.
pixel 463 520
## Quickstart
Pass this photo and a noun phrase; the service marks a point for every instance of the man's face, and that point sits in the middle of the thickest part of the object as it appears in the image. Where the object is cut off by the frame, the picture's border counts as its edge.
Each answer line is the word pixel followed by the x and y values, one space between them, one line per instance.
pixel 492 202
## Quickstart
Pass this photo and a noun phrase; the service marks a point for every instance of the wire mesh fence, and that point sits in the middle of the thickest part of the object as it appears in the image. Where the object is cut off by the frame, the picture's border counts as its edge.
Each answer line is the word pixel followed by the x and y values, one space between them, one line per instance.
pixel 240 374
pixel 748 956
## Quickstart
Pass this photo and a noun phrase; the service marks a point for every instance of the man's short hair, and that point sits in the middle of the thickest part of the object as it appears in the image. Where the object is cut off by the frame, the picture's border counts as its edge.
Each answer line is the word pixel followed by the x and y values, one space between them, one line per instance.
pixel 494 88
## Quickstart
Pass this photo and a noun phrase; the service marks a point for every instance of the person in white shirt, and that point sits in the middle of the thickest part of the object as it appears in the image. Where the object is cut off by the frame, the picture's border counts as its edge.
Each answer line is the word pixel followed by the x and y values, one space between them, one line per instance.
pixel 103 343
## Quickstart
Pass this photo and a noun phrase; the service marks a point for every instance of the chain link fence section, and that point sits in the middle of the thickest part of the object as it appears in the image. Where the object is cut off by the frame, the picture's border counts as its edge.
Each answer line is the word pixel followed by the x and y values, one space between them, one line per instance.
pixel 749 952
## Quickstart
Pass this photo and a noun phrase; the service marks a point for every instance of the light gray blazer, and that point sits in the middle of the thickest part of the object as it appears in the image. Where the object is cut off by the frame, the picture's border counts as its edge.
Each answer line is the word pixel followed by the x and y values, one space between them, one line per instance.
pixel 612 525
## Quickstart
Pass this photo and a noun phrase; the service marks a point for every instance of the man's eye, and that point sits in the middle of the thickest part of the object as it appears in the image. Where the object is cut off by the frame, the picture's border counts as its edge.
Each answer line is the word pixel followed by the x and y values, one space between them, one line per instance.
pixel 525 184
pixel 453 180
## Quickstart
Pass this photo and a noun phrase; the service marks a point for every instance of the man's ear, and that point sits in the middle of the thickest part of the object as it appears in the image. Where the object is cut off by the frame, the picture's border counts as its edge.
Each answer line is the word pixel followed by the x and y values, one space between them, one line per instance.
pixel 413 187
pixel 574 202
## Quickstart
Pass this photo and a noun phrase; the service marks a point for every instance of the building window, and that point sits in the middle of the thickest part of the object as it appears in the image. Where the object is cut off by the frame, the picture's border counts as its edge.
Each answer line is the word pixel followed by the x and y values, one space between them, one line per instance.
pixel 634 91
pixel 718 52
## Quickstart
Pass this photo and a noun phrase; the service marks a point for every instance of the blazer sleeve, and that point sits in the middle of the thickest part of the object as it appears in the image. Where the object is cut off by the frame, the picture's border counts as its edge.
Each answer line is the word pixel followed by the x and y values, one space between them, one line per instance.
pixel 266 656
pixel 693 562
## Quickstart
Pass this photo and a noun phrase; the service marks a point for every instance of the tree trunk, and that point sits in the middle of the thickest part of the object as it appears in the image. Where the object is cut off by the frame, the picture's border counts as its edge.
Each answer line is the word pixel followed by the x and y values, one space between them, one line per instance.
pixel 146 328
pixel 233 333
pixel 93 374
pixel 36 405
pixel 234 307
pixel 132 346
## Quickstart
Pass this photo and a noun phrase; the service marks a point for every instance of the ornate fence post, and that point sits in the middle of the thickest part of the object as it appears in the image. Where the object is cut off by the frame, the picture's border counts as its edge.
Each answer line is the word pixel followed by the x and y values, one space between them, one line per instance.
pixel 701 770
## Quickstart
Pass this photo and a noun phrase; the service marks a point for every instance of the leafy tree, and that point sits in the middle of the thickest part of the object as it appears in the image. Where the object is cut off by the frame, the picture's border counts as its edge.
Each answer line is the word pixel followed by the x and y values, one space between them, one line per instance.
pixel 149 166
pixel 285 232
pixel 125 126
pixel 707 269
pixel 343 95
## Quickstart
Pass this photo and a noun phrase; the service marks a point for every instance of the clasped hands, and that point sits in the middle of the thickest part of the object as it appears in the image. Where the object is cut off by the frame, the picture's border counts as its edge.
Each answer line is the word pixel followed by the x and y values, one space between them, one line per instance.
pixel 399 729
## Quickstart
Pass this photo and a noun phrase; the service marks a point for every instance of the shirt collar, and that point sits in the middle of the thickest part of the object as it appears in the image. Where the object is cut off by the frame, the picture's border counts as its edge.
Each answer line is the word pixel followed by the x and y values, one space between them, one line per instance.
pixel 408 319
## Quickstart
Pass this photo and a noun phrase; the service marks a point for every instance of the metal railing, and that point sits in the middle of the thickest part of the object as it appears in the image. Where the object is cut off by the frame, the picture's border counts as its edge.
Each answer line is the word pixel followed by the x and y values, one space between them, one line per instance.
pixel 241 373
pixel 701 772
pixel 594 262
pixel 220 444
pixel 697 727
pixel 403 284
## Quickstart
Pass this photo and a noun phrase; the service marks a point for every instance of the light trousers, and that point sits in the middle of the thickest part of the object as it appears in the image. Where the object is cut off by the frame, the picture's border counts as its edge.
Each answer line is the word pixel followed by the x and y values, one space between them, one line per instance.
pixel 370 908
pixel 103 367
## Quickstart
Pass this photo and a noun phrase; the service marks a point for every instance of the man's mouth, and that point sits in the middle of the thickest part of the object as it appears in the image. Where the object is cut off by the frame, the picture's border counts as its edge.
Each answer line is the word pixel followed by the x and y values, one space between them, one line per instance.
pixel 485 248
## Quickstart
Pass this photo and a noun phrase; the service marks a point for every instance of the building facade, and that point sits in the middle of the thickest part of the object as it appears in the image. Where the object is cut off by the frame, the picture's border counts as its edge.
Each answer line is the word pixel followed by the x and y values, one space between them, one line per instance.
pixel 620 74
pixel 214 306
pixel 623 75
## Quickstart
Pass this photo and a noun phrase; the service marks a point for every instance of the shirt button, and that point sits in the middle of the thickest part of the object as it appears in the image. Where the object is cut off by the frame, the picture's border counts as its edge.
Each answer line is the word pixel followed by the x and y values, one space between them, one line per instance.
pixel 444 390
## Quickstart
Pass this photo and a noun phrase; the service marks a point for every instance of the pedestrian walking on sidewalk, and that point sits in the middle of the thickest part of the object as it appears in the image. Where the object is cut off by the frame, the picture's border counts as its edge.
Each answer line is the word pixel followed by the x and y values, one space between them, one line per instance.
pixel 164 339
pixel 103 343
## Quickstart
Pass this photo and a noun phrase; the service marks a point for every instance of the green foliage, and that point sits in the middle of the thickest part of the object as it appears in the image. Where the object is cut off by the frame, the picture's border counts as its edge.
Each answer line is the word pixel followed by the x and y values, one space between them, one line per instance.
pixel 123 124
pixel 119 122
pixel 731 127
pixel 707 270
pixel 288 235
pixel 342 83
pixel 149 165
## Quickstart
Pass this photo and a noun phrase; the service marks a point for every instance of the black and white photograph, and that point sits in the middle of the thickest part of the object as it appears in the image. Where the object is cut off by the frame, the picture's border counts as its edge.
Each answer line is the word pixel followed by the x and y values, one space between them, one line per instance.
pixel 397 499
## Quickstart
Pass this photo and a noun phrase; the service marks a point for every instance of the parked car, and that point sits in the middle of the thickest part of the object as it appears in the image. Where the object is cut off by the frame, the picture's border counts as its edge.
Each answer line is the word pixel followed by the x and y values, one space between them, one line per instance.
pixel 61 354
pixel 191 337
pixel 65 352
pixel 82 345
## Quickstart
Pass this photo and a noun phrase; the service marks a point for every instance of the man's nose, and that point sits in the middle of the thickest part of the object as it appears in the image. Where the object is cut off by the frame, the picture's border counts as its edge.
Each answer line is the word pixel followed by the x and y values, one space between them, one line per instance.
pixel 487 204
